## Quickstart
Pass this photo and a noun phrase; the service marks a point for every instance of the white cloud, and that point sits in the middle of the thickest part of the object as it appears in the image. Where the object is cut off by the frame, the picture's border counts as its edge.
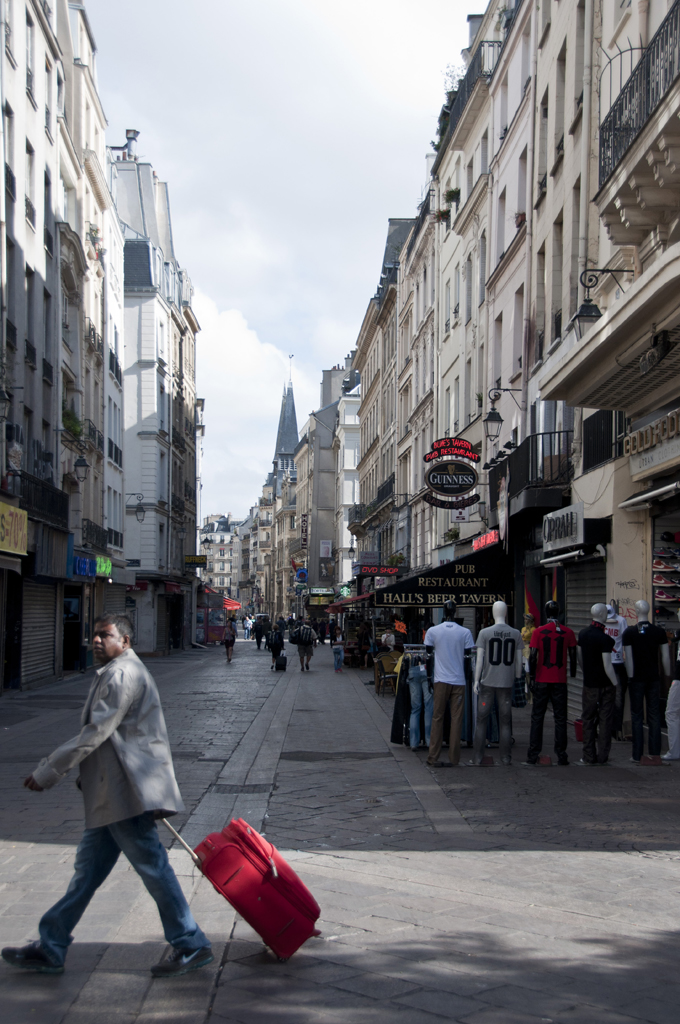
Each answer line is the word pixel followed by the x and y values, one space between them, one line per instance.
pixel 241 379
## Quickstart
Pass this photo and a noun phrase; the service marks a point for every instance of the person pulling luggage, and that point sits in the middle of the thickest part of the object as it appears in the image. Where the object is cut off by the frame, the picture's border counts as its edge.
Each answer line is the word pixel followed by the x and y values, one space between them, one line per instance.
pixel 127 781
pixel 276 645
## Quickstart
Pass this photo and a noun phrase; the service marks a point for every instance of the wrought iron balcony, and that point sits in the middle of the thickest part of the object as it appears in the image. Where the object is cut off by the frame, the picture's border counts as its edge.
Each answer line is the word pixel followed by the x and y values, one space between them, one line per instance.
pixel 95 535
pixel 10 334
pixel 541 460
pixel 481 66
pixel 385 491
pixel 115 454
pixel 30 354
pixel 178 440
pixel 356 514
pixel 93 436
pixel 48 373
pixel 115 538
pixel 92 337
pixel 10 183
pixel 42 501
pixel 177 503
pixel 190 493
pixel 114 367
pixel 651 80
pixel 30 212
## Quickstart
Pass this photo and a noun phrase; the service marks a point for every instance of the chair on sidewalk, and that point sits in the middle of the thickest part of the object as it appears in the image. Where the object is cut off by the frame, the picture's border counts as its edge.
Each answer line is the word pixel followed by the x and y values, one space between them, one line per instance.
pixel 385 678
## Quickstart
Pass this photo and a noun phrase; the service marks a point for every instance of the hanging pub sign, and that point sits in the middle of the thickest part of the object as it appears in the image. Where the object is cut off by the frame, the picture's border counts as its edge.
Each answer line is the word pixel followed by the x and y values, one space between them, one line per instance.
pixel 458 503
pixel 451 447
pixel 451 479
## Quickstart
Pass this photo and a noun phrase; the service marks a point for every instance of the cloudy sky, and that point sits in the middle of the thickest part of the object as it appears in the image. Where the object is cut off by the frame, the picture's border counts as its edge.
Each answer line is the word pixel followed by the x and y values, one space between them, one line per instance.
pixel 289 131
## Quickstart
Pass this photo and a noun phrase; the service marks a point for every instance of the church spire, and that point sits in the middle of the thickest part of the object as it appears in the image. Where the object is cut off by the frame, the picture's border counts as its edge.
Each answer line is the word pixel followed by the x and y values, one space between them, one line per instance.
pixel 287 435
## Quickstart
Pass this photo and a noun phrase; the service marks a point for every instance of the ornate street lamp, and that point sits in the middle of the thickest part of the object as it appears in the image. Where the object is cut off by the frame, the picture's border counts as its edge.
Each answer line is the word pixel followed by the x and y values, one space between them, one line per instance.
pixel 81 468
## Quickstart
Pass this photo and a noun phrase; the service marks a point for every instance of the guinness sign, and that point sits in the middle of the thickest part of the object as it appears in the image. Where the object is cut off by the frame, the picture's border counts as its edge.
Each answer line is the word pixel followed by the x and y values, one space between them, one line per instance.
pixel 451 479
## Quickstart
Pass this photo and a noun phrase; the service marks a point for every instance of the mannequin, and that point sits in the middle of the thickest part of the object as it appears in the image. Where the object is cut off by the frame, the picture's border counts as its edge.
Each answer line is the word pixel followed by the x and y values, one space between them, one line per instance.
pixel 552 646
pixel 642 645
pixel 499 663
pixel 673 714
pixel 599 687
pixel 615 627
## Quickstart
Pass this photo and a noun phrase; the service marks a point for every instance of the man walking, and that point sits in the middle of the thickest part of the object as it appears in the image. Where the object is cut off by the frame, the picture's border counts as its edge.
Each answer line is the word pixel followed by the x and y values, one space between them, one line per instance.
pixel 127 780
pixel 305 637
pixel 449 641
pixel 551 647
pixel 258 630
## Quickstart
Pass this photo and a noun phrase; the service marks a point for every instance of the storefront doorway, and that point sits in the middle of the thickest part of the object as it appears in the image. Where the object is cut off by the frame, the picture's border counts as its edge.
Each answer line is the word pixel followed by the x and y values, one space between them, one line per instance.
pixel 73 625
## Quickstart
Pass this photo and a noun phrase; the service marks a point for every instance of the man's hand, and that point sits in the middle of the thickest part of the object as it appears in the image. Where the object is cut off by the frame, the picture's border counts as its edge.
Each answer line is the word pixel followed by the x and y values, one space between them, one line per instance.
pixel 30 783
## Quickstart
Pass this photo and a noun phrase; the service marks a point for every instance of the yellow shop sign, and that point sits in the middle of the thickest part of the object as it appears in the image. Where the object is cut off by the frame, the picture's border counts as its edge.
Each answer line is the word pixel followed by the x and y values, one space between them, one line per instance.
pixel 13 529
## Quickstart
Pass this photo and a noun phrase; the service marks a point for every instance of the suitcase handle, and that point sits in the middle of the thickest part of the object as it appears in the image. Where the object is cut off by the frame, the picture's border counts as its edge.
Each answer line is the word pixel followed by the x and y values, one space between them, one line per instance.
pixel 194 856
pixel 275 873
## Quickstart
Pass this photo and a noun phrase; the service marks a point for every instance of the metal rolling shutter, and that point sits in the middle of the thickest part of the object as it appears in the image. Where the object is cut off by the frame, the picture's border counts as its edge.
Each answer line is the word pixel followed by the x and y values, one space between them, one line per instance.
pixel 161 624
pixel 586 585
pixel 114 598
pixel 38 631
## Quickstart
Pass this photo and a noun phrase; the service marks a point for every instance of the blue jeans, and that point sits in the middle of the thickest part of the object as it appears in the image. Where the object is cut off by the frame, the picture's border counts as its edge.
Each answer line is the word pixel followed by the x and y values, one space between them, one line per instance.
pixel 338 656
pixel 648 694
pixel 420 692
pixel 96 856
pixel 246 633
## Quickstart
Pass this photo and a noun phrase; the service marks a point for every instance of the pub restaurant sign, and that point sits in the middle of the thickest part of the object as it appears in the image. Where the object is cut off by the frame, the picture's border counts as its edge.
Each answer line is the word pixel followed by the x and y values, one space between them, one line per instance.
pixel 451 479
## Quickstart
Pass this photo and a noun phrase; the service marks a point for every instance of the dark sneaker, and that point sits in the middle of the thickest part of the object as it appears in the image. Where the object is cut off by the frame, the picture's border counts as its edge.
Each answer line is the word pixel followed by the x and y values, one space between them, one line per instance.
pixel 181 961
pixel 563 762
pixel 32 958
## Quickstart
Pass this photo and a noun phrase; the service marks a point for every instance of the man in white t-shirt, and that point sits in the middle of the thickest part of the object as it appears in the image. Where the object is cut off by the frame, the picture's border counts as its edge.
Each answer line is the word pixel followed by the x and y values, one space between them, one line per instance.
pixel 449 641
pixel 615 627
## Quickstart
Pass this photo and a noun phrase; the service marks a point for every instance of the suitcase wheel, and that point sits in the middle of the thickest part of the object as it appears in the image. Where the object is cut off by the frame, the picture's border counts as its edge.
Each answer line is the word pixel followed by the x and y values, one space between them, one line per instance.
pixel 283 959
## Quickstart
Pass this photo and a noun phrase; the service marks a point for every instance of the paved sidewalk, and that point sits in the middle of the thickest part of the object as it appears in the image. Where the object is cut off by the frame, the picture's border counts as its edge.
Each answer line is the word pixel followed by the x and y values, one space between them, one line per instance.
pixel 446 895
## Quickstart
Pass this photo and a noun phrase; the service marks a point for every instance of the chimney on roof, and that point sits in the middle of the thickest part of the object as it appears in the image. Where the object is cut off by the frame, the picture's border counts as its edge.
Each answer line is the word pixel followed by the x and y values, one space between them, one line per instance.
pixel 131 135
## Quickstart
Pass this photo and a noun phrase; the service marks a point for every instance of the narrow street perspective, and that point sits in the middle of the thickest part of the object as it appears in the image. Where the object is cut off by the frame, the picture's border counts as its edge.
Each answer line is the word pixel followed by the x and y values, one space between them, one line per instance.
pixel 499 894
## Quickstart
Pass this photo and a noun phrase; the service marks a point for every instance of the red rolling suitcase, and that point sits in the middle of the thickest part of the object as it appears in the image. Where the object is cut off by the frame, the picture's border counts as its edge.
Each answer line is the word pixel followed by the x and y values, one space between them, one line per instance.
pixel 253 876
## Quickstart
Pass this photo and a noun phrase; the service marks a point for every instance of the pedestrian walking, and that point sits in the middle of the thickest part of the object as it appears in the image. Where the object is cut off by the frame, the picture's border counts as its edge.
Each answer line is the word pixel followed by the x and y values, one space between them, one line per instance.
pixel 276 645
pixel 595 649
pixel 127 781
pixel 550 648
pixel 230 639
pixel 258 630
pixel 323 628
pixel 449 642
pixel 304 636
pixel 247 624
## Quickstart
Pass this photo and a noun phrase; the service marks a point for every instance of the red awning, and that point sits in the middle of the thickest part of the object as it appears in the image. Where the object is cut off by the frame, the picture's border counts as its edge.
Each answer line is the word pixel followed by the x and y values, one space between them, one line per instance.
pixel 231 605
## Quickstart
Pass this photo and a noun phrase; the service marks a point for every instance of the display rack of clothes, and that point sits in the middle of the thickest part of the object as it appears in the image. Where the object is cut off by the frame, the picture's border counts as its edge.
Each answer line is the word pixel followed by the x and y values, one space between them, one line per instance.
pixel 414 655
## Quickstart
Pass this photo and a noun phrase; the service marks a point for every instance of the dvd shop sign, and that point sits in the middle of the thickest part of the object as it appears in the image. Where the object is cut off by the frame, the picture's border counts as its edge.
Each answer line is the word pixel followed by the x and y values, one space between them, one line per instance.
pixel 451 479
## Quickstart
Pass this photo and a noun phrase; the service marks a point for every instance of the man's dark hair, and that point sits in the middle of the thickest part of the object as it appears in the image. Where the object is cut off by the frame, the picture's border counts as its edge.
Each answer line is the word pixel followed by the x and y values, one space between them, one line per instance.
pixel 449 610
pixel 123 624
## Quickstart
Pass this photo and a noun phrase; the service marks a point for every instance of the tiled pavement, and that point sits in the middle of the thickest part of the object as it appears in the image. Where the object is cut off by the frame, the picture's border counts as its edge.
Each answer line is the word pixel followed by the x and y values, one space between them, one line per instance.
pixel 484 896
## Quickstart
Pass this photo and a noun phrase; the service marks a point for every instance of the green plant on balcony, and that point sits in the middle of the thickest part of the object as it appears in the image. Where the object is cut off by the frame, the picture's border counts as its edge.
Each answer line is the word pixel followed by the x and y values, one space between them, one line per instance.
pixel 451 196
pixel 442 216
pixel 397 559
pixel 452 534
pixel 480 399
pixel 71 422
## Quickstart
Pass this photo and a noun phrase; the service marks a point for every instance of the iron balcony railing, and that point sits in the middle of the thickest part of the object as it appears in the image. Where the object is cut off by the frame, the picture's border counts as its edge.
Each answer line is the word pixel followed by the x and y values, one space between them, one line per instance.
pixel 482 65
pixel 115 538
pixel 11 334
pixel 30 354
pixel 177 503
pixel 294 545
pixel 651 79
pixel 115 454
pixel 190 493
pixel 93 435
pixel 386 490
pixel 30 212
pixel 356 514
pixel 603 437
pixel 42 501
pixel 424 212
pixel 10 182
pixel 541 460
pixel 48 372
pixel 178 440
pixel 114 367
pixel 95 535
pixel 92 336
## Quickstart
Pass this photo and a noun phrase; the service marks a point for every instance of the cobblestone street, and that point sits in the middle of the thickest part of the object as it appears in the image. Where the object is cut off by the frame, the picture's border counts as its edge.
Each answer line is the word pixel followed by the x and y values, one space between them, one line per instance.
pixel 491 896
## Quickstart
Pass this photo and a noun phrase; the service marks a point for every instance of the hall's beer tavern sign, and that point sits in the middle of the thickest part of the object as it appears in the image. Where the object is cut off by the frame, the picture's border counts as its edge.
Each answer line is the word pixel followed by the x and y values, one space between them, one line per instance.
pixel 451 473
